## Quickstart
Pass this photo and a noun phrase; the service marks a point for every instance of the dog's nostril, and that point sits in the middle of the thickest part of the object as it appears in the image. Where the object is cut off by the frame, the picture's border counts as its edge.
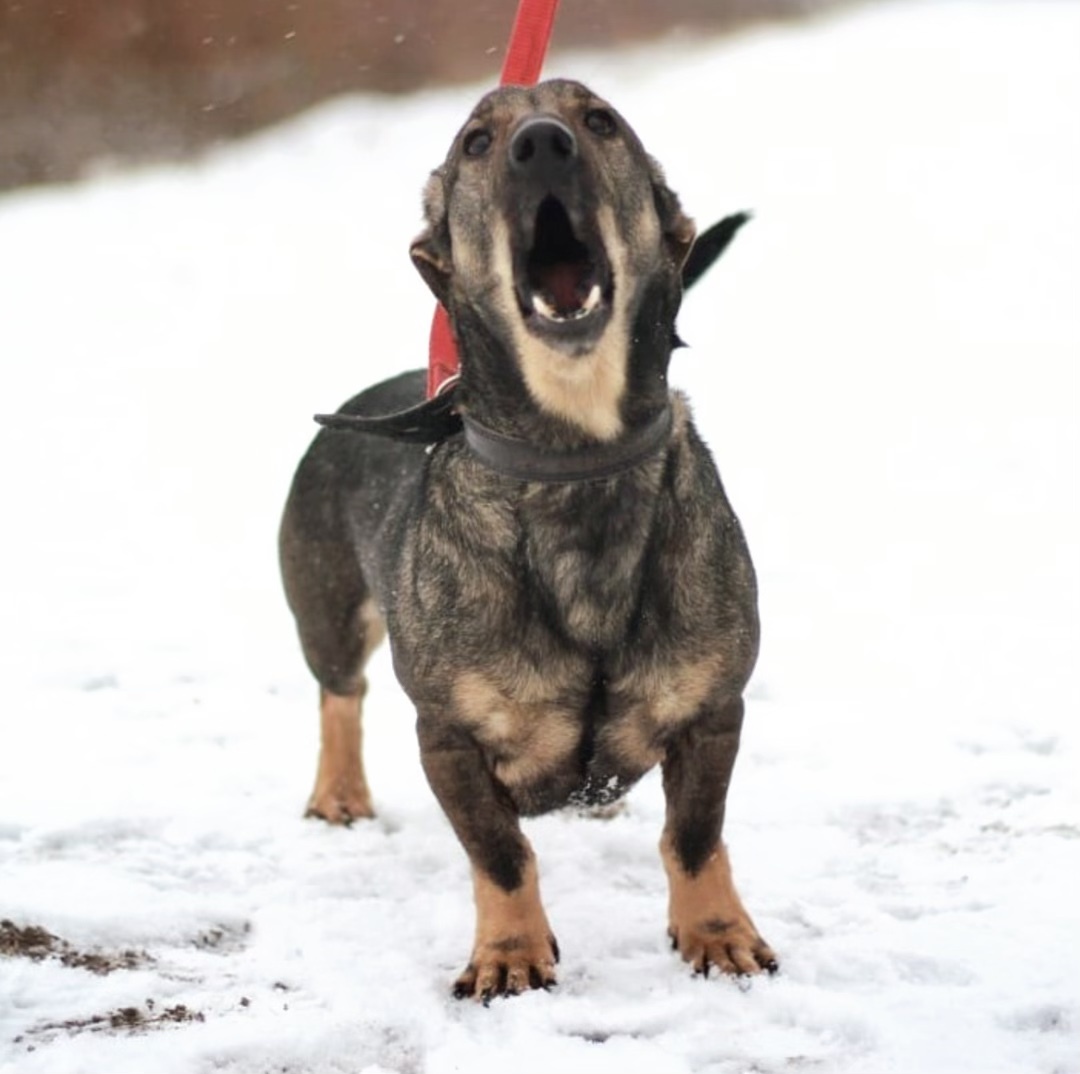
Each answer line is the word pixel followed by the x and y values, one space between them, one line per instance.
pixel 562 142
pixel 523 150
pixel 542 142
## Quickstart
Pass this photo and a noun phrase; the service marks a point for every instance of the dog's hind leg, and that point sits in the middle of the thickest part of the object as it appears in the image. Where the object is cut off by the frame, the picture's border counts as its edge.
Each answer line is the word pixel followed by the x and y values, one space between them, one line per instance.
pixel 341 792
pixel 708 923
pixel 339 626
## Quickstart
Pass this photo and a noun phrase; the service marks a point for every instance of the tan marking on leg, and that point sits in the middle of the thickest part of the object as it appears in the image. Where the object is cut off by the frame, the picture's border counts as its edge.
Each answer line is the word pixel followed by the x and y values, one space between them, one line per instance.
pixel 514 948
pixel 341 792
pixel 372 627
pixel 663 697
pixel 527 738
pixel 678 694
pixel 708 923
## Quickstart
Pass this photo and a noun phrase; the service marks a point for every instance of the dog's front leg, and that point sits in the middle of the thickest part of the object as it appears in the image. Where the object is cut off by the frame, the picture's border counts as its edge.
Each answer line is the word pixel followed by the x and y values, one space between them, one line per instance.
pixel 514 949
pixel 708 924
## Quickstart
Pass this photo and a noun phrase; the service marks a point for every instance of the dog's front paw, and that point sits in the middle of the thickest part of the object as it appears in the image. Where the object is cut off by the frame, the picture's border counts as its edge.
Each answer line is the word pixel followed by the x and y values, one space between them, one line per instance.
pixel 707 922
pixel 732 946
pixel 508 967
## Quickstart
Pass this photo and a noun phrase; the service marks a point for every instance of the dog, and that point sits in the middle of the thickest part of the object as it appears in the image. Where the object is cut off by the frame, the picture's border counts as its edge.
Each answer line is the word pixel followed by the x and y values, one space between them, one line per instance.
pixel 568 594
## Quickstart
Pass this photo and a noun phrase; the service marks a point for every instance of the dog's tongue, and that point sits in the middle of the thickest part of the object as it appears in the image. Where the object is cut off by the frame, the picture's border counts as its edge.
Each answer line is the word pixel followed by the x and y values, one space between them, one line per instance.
pixel 562 282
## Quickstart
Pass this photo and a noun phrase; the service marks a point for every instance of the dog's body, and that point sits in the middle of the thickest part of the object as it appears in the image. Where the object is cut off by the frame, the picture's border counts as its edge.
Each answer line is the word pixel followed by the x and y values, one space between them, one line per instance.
pixel 559 636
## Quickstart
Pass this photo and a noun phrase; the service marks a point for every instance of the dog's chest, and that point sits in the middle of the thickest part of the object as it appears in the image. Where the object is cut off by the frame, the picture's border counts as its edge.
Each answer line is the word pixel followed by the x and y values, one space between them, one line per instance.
pixel 573 631
pixel 560 735
pixel 583 556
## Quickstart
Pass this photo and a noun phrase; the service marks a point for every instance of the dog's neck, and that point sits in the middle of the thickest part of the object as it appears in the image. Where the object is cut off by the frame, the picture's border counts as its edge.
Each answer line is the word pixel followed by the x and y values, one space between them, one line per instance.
pixel 494 396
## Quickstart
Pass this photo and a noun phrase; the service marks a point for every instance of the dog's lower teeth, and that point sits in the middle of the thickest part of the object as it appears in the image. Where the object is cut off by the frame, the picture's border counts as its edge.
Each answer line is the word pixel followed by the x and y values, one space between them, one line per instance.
pixel 550 313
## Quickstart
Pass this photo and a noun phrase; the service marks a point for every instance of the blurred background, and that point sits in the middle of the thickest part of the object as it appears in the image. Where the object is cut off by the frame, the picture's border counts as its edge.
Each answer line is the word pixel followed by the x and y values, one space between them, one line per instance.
pixel 138 80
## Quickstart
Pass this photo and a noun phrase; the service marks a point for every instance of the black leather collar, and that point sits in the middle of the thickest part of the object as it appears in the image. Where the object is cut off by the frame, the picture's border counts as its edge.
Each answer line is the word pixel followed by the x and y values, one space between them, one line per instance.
pixel 436 420
pixel 526 461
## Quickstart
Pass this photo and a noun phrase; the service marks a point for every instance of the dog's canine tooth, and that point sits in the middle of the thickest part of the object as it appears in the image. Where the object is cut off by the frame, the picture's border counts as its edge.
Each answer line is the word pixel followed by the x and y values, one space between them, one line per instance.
pixel 544 309
pixel 592 301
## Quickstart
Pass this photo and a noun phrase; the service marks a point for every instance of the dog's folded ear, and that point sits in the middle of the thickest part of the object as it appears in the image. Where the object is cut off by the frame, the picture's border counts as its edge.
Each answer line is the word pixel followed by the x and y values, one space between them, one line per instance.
pixel 678 229
pixel 709 245
pixel 430 250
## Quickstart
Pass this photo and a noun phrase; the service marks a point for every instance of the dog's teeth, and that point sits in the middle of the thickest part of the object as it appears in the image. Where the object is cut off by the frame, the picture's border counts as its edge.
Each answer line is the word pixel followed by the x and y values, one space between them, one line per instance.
pixel 550 313
pixel 545 310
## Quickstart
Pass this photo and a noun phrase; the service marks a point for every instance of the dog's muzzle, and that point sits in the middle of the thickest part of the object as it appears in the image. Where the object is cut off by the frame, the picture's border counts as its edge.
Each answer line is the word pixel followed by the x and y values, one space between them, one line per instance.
pixel 562 277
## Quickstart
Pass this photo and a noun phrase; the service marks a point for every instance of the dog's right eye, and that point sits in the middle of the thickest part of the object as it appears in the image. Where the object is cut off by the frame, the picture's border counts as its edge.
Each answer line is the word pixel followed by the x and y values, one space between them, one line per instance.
pixel 600 121
pixel 477 143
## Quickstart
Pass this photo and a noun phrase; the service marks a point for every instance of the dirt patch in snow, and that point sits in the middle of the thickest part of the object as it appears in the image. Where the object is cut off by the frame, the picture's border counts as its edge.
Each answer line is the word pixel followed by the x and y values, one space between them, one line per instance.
pixel 37 944
pixel 130 1019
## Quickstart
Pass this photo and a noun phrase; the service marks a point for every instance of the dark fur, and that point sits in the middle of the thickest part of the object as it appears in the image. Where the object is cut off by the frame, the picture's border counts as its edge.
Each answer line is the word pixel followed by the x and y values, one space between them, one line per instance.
pixel 612 624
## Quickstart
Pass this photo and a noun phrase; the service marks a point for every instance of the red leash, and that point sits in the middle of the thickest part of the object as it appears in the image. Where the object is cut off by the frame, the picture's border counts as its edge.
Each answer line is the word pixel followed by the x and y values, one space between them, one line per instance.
pixel 528 42
pixel 524 59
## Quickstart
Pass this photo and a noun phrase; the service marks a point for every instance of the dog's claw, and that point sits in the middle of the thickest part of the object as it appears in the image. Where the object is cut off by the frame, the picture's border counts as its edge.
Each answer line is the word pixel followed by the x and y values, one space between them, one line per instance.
pixel 743 958
pixel 343 817
pixel 340 806
pixel 486 981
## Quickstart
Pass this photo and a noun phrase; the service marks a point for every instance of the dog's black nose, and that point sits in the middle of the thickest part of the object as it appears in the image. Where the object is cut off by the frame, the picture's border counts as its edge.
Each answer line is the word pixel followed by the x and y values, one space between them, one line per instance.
pixel 542 144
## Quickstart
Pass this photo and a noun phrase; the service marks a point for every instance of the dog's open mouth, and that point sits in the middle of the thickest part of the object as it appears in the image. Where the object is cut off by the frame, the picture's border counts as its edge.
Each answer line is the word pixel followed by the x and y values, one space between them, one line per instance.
pixel 563 283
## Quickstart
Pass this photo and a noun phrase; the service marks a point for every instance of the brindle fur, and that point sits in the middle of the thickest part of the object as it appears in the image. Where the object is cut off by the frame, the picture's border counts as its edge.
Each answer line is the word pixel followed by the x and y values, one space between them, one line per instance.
pixel 557 640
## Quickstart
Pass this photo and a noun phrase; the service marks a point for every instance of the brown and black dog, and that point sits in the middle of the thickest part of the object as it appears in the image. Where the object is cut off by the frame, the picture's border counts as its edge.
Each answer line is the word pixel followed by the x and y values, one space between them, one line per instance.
pixel 567 591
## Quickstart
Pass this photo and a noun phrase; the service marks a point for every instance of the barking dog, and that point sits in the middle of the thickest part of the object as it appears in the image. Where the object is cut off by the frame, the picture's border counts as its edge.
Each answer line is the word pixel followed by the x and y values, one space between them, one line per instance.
pixel 567 591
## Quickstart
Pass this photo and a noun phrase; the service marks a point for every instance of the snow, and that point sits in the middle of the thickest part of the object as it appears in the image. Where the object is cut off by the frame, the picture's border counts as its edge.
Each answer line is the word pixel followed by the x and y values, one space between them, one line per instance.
pixel 885 365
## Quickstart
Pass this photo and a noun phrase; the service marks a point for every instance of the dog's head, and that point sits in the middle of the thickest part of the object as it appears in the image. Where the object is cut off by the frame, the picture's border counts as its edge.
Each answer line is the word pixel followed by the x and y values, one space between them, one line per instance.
pixel 556 246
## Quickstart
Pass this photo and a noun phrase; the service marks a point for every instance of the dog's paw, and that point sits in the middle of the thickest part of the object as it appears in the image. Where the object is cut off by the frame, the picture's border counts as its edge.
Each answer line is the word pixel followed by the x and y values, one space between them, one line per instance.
pixel 509 967
pixel 731 946
pixel 340 804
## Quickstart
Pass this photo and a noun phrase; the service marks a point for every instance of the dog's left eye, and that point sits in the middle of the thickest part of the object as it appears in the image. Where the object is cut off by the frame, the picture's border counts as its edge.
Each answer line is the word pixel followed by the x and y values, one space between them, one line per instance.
pixel 600 121
pixel 477 143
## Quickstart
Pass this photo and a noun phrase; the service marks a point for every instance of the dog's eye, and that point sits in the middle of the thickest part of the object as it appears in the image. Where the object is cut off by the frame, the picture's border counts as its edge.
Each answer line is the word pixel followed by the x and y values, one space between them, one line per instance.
pixel 477 143
pixel 600 121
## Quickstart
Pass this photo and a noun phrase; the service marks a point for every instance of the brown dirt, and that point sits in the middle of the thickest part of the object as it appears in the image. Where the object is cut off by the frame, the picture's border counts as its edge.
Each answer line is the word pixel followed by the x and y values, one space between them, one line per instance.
pixel 37 944
pixel 129 1019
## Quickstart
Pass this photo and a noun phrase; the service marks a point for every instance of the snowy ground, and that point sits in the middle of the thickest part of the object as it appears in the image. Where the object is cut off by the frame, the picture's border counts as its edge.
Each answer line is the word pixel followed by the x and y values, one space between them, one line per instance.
pixel 886 367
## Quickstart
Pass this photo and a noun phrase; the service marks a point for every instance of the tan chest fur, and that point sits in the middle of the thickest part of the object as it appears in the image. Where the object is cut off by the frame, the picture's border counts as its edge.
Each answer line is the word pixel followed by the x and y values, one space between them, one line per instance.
pixel 533 728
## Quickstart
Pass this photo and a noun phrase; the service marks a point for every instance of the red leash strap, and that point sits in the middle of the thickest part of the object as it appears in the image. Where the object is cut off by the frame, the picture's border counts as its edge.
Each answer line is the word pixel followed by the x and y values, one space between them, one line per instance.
pixel 524 59
pixel 528 42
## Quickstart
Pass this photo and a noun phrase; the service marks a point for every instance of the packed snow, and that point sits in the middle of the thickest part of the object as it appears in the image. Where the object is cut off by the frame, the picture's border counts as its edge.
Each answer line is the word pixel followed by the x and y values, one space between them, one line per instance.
pixel 886 367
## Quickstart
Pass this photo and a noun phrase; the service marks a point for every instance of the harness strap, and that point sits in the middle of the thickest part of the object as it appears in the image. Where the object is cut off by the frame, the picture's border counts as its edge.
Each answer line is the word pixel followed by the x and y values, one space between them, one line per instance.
pixel 426 423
